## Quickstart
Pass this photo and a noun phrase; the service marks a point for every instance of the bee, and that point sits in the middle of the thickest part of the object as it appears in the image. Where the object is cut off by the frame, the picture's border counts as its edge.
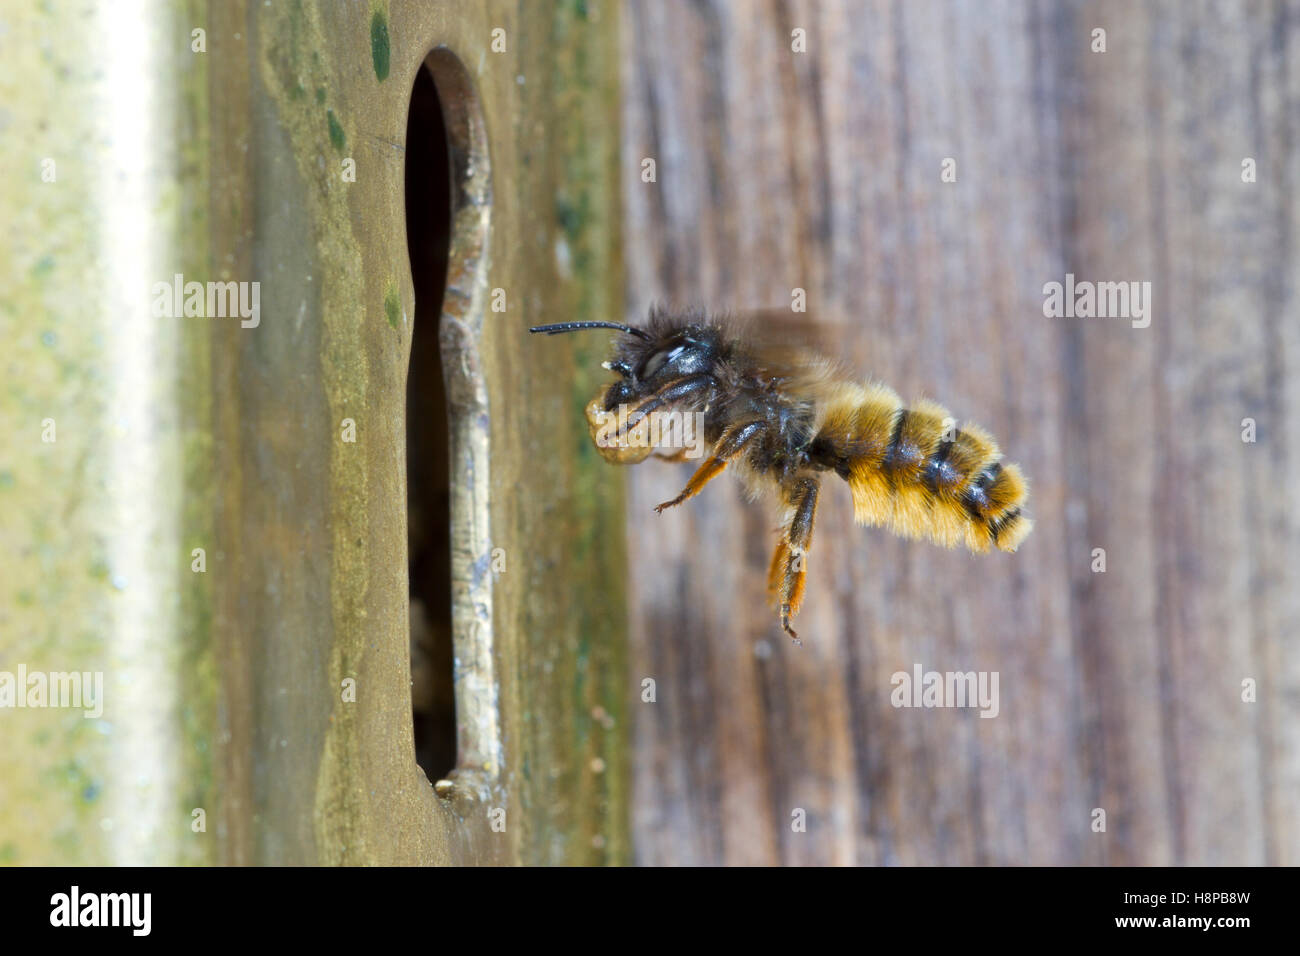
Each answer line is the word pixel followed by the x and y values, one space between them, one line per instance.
pixel 782 417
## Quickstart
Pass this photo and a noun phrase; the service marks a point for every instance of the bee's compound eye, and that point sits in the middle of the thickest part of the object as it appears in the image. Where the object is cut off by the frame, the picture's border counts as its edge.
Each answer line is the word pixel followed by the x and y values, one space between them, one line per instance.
pixel 660 359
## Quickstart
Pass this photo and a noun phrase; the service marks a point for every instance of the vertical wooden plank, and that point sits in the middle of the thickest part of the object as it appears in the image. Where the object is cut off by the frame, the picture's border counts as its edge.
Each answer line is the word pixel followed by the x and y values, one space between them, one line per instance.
pixel 557 517
pixel 821 171
pixel 317 528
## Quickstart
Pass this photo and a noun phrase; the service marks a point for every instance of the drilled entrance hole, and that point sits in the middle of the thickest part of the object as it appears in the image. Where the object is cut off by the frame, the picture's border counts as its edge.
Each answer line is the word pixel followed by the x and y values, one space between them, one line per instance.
pixel 429 186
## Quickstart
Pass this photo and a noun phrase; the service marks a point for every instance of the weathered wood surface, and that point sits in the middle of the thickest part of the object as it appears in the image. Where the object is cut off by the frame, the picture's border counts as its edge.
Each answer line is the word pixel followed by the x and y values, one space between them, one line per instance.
pixel 317 532
pixel 223 690
pixel 1120 690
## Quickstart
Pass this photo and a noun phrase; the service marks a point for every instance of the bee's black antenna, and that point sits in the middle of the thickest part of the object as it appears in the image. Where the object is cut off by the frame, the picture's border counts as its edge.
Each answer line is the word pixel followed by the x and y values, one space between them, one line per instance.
pixel 559 327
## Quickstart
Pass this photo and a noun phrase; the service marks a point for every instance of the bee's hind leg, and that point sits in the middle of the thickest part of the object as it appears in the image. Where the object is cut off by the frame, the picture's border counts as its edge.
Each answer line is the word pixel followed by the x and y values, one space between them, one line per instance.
pixel 728 447
pixel 786 579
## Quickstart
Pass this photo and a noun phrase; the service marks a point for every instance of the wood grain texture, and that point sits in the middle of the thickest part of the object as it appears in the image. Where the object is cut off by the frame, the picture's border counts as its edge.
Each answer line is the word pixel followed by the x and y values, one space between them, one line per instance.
pixel 313 531
pixel 1120 690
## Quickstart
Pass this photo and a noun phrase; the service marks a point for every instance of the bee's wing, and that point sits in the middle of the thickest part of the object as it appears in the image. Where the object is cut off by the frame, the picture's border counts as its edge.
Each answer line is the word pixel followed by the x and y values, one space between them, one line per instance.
pixel 767 329
pixel 790 348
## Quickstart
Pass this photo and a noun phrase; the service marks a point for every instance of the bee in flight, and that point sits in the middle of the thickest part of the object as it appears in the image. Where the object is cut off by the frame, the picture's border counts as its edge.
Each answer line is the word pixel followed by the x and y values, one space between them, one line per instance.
pixel 782 416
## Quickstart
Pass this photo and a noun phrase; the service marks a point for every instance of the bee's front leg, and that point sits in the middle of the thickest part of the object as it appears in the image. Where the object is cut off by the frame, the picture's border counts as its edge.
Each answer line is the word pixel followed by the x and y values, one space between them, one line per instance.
pixel 691 389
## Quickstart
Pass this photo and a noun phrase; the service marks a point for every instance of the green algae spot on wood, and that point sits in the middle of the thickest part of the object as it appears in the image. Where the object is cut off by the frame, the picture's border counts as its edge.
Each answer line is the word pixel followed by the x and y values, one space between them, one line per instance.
pixel 379 47
pixel 392 307
pixel 336 131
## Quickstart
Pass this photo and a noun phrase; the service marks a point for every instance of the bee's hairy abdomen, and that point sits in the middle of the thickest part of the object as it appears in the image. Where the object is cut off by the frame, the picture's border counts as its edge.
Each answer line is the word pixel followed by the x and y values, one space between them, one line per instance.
pixel 912 471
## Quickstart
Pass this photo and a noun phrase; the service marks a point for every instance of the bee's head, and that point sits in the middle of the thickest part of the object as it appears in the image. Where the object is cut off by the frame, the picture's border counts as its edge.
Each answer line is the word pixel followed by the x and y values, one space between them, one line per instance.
pixel 647 360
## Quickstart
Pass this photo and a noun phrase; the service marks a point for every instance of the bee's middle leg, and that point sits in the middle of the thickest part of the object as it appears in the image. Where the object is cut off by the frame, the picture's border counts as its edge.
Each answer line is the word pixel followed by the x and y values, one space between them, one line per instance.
pixel 728 447
pixel 787 577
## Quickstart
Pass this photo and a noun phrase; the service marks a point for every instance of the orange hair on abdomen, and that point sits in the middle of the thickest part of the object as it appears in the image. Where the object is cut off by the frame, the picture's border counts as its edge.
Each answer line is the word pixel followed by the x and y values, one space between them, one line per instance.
pixel 913 471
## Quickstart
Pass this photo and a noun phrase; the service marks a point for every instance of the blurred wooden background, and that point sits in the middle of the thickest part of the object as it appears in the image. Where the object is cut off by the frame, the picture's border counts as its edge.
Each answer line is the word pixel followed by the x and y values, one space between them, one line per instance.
pixel 1120 690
